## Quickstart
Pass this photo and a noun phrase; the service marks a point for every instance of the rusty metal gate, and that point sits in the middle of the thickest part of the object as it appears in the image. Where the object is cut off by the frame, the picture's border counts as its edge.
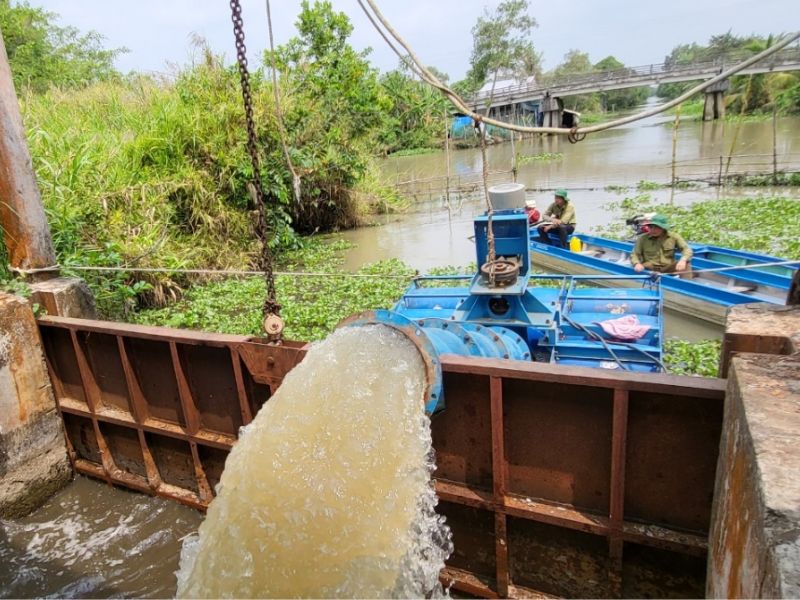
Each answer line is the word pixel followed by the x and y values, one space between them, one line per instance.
pixel 555 480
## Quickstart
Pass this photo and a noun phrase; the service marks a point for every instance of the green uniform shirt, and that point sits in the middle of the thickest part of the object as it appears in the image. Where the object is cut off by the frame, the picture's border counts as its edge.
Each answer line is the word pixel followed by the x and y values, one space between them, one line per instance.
pixel 566 213
pixel 660 251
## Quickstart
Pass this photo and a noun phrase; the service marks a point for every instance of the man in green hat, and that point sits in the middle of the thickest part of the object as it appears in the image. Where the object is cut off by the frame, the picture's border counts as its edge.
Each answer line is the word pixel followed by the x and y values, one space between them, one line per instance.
pixel 655 249
pixel 561 217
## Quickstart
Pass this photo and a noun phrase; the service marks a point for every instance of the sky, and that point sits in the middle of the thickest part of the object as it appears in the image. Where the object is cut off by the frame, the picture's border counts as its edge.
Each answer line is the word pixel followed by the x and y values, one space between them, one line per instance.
pixel 158 33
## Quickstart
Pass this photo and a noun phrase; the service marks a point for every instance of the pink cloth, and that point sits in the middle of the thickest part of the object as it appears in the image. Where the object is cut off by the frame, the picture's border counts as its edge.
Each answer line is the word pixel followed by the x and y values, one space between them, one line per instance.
pixel 625 328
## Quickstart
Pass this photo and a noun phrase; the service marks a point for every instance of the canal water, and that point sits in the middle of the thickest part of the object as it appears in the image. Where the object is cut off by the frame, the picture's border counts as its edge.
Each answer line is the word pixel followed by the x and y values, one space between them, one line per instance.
pixel 94 541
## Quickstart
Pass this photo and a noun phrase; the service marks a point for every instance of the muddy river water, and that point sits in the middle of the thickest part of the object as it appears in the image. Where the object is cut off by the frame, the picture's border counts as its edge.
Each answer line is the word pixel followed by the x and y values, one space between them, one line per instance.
pixel 91 540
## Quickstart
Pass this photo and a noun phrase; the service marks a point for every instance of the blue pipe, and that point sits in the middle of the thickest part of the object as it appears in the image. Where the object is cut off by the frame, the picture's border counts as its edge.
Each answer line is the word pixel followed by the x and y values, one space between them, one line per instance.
pixel 433 337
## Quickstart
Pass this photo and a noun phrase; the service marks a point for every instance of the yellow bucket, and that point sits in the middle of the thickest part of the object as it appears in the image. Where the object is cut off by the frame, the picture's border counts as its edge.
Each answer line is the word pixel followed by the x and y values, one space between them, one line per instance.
pixel 575 244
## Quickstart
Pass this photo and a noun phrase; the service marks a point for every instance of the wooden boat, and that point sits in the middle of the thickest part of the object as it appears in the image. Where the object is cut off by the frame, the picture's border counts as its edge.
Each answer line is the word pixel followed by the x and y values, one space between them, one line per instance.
pixel 706 294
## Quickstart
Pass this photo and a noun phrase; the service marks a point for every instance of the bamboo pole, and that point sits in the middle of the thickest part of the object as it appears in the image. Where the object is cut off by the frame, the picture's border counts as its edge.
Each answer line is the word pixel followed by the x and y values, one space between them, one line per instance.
pixel 674 150
pixel 447 162
pixel 774 144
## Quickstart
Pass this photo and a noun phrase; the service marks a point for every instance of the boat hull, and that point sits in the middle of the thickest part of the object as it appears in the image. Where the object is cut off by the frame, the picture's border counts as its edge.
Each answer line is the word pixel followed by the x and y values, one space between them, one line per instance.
pixel 707 295
pixel 710 311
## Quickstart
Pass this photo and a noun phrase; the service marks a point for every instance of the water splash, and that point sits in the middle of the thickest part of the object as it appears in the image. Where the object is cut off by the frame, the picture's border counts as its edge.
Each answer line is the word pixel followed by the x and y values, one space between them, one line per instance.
pixel 328 492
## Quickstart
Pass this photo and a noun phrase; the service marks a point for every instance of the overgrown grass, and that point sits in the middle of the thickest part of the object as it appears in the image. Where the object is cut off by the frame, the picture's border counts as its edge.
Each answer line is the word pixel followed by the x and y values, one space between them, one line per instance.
pixel 152 174
pixel 766 225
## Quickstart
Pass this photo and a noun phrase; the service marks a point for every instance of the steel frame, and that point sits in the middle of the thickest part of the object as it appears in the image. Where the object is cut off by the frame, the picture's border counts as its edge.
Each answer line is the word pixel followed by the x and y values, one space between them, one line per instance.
pixel 555 480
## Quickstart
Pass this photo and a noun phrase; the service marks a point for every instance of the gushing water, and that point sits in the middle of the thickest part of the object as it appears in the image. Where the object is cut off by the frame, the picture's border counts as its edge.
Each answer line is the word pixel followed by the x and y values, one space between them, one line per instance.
pixel 328 491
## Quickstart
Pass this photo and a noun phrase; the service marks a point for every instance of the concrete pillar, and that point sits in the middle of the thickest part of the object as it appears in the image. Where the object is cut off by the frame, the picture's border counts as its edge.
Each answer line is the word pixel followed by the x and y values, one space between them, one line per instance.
pixel 714 105
pixel 762 328
pixel 65 297
pixel 551 108
pixel 22 219
pixel 754 542
pixel 33 455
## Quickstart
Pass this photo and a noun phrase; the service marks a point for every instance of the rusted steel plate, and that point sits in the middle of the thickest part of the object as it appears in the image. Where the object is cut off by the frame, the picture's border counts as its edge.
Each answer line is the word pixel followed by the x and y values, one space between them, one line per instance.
pixel 694 387
pixel 155 409
pixel 673 442
pixel 555 480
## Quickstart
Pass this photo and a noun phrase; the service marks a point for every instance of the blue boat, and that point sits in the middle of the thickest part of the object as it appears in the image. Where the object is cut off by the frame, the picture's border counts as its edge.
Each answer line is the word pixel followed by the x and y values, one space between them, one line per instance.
pixel 706 295
pixel 560 319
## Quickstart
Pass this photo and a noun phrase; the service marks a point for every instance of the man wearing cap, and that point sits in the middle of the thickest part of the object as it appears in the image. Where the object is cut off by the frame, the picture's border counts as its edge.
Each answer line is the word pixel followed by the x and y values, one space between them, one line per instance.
pixel 561 215
pixel 655 250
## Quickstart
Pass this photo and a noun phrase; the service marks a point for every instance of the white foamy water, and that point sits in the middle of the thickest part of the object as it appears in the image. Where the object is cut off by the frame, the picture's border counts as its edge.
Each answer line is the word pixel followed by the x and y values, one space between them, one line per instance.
pixel 328 492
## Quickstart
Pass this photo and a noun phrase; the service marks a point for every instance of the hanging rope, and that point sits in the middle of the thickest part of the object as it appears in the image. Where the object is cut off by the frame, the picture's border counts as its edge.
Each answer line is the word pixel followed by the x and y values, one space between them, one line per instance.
pixel 279 112
pixel 489 206
pixel 273 325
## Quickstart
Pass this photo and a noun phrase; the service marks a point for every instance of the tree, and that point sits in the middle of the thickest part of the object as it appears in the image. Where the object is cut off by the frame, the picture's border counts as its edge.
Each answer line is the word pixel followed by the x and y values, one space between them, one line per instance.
pixel 683 54
pixel 619 99
pixel 42 54
pixel 762 92
pixel 575 63
pixel 501 40
pixel 334 112
pixel 415 116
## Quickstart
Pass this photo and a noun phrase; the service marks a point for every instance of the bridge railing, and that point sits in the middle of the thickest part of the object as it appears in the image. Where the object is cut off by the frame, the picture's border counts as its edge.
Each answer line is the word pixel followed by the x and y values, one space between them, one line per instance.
pixel 718 64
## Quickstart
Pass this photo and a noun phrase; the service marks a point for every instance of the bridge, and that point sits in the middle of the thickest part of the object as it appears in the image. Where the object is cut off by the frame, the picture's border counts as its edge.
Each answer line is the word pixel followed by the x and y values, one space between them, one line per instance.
pixel 508 99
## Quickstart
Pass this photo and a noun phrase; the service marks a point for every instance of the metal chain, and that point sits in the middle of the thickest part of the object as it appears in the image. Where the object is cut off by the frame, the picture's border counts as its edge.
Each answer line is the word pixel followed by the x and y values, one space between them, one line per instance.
pixel 271 306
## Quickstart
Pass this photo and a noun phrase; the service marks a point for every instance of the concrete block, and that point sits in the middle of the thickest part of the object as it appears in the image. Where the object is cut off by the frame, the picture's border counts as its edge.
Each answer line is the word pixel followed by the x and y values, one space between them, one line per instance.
pixel 33 457
pixel 65 297
pixel 762 328
pixel 754 542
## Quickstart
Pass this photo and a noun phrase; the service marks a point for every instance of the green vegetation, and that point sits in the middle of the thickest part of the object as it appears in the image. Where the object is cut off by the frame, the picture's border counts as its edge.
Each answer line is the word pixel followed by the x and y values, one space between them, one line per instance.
pixel 140 172
pixel 415 151
pixel 312 305
pixel 780 179
pixel 644 186
pixel 578 63
pixel 692 358
pixel 415 119
pixel 523 159
pixel 44 54
pixel 501 42
pixel 765 225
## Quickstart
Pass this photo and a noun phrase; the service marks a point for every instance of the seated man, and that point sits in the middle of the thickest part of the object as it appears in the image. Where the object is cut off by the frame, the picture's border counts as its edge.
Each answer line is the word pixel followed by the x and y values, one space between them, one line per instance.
pixel 561 215
pixel 655 250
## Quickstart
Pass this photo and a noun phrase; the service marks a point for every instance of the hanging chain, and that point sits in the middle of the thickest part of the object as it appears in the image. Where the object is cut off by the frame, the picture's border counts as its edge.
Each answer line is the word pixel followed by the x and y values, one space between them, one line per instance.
pixel 272 323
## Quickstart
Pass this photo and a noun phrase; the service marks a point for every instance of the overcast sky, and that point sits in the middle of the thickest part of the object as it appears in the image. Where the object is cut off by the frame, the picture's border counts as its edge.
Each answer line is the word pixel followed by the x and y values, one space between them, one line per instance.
pixel 638 32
